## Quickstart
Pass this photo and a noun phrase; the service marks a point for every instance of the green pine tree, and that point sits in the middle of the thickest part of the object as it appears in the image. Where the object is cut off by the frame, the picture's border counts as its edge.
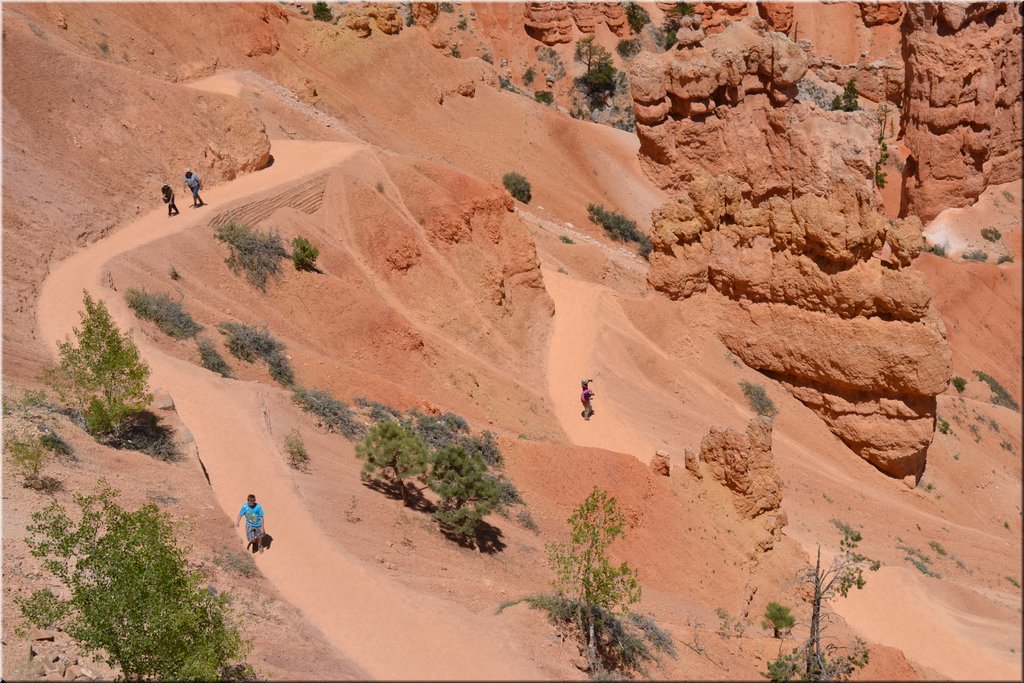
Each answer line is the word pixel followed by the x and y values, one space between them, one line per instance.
pixel 393 453
pixel 467 493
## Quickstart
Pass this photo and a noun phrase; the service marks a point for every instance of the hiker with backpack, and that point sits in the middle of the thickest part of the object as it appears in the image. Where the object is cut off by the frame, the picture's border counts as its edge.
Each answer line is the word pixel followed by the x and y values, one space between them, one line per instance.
pixel 192 182
pixel 172 209
pixel 585 398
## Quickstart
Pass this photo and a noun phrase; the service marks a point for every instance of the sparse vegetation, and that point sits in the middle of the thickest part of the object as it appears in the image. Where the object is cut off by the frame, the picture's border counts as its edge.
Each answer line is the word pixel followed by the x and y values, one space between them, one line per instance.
pixel 132 601
pixel 378 411
pixel 210 358
pixel 101 371
pixel 544 97
pixel 959 383
pixel 883 117
pixel 619 227
pixel 816 660
pixel 758 399
pixel 518 186
pixel 447 7
pixel 28 456
pixel 1005 258
pixel 173 273
pixel 637 16
pixel 566 239
pixel 1014 581
pixel 1000 396
pixel 975 255
pixel 550 56
pixel 943 426
pixel 592 597
pixel 304 254
pixel 298 458
pixel 322 11
pixel 937 249
pixel 778 618
pixel 919 560
pixel 239 563
pixel 247 343
pixel 529 75
pixel 937 547
pixel 1006 446
pixel 331 414
pixel 164 311
pixel 256 254
pixel 628 47
pixel 727 626
pixel 454 51
pixel 671 24
pixel 991 234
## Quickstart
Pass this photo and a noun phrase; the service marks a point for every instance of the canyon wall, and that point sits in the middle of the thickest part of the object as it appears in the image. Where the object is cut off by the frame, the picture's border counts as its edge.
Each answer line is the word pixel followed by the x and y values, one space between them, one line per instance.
pixel 776 211
pixel 962 114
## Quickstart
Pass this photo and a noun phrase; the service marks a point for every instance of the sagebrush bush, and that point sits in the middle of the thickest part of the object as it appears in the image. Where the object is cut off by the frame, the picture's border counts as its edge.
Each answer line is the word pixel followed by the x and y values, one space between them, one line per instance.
pixel 991 234
pixel 960 384
pixel 975 255
pixel 164 311
pixel 758 399
pixel 255 253
pixel 627 47
pixel 620 228
pixel 1000 396
pixel 247 343
pixel 438 431
pixel 210 358
pixel 304 254
pixel 298 458
pixel 322 11
pixel 1005 258
pixel 517 186
pixel 544 97
pixel 331 414
pixel 378 412
pixel 937 249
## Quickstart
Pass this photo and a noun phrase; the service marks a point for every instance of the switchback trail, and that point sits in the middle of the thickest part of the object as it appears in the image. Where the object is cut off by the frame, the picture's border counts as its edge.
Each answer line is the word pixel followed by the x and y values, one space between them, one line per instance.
pixel 387 629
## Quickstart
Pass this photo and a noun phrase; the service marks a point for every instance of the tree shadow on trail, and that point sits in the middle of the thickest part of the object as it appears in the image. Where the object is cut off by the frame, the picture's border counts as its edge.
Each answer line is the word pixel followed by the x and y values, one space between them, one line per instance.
pixel 487 538
pixel 414 496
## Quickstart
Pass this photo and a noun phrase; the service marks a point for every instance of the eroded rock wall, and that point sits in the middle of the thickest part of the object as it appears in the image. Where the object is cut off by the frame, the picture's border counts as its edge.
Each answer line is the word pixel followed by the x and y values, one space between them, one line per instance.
pixel 564 22
pixel 962 115
pixel 787 230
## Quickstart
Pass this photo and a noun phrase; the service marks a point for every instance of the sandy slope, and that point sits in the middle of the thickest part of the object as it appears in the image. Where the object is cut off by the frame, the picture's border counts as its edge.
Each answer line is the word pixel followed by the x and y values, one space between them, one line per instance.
pixel 389 631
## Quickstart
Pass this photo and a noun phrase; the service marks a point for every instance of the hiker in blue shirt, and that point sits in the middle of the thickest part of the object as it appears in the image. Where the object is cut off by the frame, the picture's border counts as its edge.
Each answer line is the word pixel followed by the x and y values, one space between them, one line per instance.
pixel 254 523
pixel 192 182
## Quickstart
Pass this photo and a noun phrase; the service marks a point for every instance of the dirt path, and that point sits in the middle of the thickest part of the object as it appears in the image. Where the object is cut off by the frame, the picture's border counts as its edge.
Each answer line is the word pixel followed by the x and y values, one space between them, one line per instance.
pixel 390 631
pixel 582 310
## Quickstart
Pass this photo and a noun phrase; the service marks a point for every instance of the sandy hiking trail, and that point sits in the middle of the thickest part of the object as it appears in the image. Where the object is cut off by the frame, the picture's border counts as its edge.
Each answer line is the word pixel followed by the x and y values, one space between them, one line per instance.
pixel 388 630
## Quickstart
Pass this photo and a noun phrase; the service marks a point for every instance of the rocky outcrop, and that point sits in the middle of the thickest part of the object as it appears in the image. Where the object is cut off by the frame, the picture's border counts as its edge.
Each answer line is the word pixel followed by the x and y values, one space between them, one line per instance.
pixel 962 115
pixel 809 305
pixel 744 464
pixel 563 22
pixel 661 464
pixel 746 76
pixel 779 15
pixel 878 80
pixel 362 17
pixel 874 13
pixel 425 13
pixel 716 16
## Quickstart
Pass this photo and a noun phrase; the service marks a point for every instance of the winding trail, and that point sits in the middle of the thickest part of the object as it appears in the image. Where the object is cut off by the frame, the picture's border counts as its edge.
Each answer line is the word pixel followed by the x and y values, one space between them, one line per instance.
pixel 387 629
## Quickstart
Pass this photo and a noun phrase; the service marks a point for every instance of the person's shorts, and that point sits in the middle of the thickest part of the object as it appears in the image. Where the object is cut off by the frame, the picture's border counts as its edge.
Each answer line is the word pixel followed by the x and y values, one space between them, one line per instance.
pixel 253 532
pixel 195 191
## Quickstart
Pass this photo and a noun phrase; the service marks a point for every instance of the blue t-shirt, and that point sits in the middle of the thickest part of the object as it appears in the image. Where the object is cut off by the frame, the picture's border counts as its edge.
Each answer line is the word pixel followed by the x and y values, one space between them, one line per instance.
pixel 253 515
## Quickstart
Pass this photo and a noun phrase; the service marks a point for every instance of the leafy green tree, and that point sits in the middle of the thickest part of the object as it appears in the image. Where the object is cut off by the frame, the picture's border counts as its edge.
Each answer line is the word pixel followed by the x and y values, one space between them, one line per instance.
pixel 322 12
pixel 814 661
pixel 777 618
pixel 304 254
pixel 599 80
pixel 467 494
pixel 101 371
pixel 394 453
pixel 132 598
pixel 583 571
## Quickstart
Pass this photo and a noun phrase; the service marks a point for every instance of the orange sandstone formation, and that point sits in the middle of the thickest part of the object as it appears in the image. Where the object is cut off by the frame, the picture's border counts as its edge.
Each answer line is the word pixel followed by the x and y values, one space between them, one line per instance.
pixel 962 116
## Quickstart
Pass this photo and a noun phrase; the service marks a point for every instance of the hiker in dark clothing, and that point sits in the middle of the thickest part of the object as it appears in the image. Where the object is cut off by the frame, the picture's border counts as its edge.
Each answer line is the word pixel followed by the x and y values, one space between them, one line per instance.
pixel 192 182
pixel 585 398
pixel 172 210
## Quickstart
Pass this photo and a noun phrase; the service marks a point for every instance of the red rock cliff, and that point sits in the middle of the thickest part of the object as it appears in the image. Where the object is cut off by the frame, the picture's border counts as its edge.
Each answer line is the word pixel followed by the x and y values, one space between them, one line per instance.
pixel 962 112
